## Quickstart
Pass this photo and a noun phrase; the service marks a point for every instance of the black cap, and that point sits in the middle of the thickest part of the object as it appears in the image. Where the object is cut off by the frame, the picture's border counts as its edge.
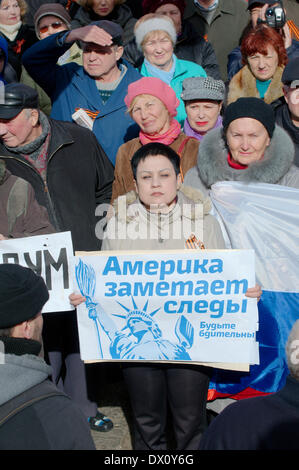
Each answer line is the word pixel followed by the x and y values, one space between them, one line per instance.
pixel 261 2
pixel 16 97
pixel 114 29
pixel 291 72
pixel 22 294
pixel 254 108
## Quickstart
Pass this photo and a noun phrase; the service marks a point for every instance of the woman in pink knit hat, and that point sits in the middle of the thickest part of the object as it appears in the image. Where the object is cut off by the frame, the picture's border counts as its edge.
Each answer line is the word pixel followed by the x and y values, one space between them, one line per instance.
pixel 153 106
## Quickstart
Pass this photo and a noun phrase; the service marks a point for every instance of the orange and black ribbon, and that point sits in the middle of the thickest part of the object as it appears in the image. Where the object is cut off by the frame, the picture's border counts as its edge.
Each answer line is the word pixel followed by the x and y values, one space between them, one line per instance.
pixel 192 243
pixel 294 29
pixel 91 114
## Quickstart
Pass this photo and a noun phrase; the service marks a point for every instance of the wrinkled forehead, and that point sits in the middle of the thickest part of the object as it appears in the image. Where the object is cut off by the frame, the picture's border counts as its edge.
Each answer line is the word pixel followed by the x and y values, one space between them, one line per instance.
pixel 156 35
pixel 6 3
pixel 246 124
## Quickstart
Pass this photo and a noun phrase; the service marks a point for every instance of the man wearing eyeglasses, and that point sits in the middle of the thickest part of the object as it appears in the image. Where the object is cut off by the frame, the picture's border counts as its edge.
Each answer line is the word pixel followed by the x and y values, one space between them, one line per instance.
pixel 93 94
pixel 52 18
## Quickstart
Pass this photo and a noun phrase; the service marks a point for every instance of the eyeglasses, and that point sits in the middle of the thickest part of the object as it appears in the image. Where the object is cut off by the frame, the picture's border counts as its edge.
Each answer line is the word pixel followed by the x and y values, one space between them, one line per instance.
pixel 56 25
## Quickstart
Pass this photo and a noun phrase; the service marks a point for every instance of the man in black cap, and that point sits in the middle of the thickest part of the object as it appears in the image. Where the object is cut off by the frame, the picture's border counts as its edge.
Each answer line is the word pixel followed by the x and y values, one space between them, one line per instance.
pixel 287 114
pixel 71 176
pixel 34 415
pixel 92 94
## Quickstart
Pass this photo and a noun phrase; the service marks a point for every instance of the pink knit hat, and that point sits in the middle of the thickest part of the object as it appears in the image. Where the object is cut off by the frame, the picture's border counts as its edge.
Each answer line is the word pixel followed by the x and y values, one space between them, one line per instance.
pixel 155 87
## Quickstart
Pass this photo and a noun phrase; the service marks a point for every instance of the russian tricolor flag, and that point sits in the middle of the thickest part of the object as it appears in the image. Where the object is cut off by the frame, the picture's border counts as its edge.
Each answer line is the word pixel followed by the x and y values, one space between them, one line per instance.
pixel 264 217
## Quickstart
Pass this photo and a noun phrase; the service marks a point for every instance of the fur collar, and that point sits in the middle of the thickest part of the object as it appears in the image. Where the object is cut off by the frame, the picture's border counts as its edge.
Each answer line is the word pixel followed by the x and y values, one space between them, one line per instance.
pixel 212 160
pixel 243 84
pixel 125 206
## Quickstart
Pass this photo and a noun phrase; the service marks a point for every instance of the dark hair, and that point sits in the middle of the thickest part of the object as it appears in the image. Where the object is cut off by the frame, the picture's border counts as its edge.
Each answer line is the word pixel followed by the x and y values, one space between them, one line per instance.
pixel 152 150
pixel 257 41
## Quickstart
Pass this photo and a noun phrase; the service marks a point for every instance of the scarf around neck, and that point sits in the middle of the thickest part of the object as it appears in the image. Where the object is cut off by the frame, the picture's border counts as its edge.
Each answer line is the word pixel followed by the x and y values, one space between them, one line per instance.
pixel 192 133
pixel 10 31
pixel 210 8
pixel 167 138
pixel 235 165
pixel 154 71
pixel 36 151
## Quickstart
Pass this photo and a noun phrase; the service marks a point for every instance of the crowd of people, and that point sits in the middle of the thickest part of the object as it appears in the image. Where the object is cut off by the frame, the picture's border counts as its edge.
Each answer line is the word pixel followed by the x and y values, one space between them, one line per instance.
pixel 151 101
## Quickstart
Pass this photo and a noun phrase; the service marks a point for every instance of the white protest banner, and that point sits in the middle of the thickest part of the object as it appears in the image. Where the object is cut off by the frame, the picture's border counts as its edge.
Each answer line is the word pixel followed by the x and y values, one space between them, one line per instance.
pixel 50 256
pixel 184 305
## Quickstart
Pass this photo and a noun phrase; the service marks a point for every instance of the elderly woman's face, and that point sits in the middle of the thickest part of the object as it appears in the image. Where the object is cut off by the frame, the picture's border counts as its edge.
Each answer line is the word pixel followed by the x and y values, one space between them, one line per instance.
pixel 202 114
pixel 158 50
pixel 103 7
pixel 264 66
pixel 247 140
pixel 156 182
pixel 151 115
pixel 173 12
pixel 9 12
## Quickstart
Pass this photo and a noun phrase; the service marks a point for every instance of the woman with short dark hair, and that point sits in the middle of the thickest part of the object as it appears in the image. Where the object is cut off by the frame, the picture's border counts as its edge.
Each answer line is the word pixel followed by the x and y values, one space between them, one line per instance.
pixel 165 217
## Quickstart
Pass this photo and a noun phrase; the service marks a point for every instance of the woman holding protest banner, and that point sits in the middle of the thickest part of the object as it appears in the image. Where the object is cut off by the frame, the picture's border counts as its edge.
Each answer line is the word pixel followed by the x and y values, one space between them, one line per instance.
pixel 165 216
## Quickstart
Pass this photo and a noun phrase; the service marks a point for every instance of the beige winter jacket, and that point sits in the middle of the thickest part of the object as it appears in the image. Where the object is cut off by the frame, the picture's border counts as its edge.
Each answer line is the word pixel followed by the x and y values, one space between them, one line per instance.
pixel 134 228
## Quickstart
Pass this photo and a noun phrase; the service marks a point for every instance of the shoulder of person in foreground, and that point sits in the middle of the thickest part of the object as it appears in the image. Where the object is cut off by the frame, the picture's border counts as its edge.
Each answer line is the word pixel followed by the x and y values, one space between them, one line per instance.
pixel 65 427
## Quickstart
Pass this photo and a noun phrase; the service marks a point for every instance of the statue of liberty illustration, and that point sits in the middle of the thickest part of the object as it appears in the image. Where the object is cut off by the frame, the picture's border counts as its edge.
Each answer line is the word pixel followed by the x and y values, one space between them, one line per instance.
pixel 140 337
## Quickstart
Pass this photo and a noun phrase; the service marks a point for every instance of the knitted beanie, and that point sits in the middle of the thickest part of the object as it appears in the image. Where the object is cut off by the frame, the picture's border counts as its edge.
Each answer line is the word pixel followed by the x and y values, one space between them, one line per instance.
pixel 22 294
pixel 160 23
pixel 155 87
pixel 51 9
pixel 254 108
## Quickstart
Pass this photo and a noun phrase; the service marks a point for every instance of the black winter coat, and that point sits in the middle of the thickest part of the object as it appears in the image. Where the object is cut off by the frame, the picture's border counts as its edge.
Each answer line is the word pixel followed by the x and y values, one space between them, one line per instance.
pixel 121 14
pixel 283 119
pixel 25 38
pixel 79 178
pixel 54 423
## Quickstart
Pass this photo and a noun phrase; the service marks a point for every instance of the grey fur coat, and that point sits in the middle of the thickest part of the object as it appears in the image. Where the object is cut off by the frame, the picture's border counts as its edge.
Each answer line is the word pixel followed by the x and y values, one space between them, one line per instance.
pixel 275 168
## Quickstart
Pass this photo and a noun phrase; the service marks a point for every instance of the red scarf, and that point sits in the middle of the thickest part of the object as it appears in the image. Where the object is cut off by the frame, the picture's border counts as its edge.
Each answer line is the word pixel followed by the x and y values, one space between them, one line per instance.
pixel 167 138
pixel 235 165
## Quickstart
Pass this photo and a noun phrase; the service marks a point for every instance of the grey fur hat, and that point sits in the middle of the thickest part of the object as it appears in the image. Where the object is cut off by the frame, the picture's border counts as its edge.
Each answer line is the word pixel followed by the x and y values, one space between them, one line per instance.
pixel 203 88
